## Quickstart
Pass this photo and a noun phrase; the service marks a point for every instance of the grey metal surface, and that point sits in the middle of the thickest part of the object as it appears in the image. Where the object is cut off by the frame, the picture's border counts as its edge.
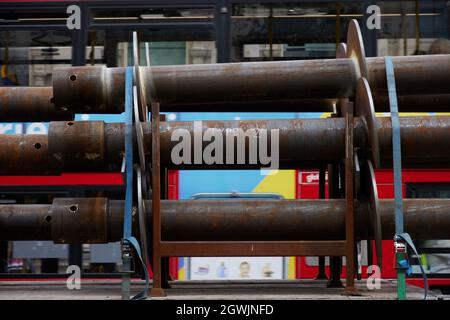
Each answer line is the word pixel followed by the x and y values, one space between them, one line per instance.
pixel 106 253
pixel 39 249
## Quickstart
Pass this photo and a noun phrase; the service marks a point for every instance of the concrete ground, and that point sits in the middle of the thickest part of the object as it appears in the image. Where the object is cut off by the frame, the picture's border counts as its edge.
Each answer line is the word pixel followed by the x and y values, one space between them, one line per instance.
pixel 221 290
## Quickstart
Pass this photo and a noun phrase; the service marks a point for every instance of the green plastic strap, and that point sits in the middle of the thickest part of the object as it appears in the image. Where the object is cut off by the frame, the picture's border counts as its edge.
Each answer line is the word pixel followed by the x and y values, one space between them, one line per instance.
pixel 407 238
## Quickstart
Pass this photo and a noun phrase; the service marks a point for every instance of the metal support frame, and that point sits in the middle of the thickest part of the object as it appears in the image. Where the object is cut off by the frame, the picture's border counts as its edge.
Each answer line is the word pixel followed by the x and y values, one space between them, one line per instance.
pixel 349 196
pixel 165 263
pixel 249 248
pixel 337 249
pixel 335 260
pixel 321 260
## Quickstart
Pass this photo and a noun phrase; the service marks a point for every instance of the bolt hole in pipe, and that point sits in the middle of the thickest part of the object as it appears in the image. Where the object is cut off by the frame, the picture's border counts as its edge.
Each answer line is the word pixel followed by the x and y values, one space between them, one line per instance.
pixel 48 218
pixel 73 208
pixel 73 77
pixel 70 123
pixel 37 145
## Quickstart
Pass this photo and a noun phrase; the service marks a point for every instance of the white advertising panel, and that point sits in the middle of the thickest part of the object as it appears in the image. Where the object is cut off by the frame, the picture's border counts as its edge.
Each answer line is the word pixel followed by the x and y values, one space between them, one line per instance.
pixel 236 268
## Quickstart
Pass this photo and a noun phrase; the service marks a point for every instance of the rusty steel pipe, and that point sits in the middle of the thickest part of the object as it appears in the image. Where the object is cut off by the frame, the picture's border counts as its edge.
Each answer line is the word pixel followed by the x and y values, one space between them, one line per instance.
pixel 299 105
pixel 103 88
pixel 406 103
pixel 415 103
pixel 427 74
pixel 28 104
pixel 26 153
pixel 66 220
pixel 303 143
pixel 25 222
pixel 34 104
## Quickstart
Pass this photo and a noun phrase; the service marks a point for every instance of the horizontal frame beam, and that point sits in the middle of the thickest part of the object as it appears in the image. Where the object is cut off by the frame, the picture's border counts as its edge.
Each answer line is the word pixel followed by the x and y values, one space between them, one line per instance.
pixel 252 248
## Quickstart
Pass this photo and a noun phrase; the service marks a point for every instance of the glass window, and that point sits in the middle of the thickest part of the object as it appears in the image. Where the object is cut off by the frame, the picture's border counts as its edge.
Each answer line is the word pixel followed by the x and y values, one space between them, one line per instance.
pixel 28 57
pixel 142 15
pixel 413 27
pixel 290 31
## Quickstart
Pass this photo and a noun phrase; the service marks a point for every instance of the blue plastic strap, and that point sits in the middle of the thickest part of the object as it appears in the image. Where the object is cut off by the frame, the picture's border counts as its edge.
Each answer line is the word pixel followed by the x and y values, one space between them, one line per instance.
pixel 143 294
pixel 396 146
pixel 397 164
pixel 128 152
pixel 127 237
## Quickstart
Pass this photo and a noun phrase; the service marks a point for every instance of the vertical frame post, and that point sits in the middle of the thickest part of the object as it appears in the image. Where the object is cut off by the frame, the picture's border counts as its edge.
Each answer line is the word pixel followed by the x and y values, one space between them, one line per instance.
pixel 321 272
pixel 222 19
pixel 333 193
pixel 349 197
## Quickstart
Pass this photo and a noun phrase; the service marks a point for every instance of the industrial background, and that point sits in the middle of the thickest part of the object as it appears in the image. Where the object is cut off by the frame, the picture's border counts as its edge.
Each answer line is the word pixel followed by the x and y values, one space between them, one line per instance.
pixel 34 40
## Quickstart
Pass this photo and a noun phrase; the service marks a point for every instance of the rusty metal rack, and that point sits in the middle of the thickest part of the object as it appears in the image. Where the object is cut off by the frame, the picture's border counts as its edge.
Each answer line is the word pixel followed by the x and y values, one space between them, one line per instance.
pixel 350 144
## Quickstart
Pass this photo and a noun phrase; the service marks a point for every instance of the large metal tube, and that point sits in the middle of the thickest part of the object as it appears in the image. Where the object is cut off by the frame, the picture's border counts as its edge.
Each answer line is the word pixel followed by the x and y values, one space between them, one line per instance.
pixel 208 83
pixel 303 143
pixel 27 104
pixel 215 220
pixel 25 222
pixel 103 88
pixel 415 103
pixel 406 103
pixel 422 140
pixel 34 104
pixel 297 219
pixel 291 86
pixel 23 152
pixel 427 74
pixel 294 105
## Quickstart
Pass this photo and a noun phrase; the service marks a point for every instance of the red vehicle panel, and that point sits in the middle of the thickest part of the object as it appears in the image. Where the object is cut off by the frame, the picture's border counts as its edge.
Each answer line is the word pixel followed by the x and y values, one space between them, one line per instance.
pixel 90 179
pixel 308 188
